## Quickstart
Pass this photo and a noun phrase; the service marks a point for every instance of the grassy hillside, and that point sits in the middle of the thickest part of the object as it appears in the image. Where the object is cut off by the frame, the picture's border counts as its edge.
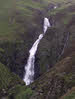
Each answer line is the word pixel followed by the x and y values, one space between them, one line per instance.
pixel 7 79
pixel 57 81
pixel 11 86
pixel 16 15
pixel 54 44
pixel 9 24
pixel 6 11
pixel 21 22
pixel 70 94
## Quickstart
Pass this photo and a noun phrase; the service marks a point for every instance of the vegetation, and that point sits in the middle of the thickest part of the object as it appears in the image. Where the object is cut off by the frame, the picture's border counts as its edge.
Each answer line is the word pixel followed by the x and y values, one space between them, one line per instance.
pixel 70 94
pixel 6 77
pixel 20 92
pixel 20 24
pixel 11 86
pixel 57 81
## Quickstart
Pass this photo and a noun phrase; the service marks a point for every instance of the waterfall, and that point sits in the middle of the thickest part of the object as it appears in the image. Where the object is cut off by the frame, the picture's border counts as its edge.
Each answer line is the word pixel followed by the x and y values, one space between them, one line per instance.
pixel 46 25
pixel 55 7
pixel 65 45
pixel 29 67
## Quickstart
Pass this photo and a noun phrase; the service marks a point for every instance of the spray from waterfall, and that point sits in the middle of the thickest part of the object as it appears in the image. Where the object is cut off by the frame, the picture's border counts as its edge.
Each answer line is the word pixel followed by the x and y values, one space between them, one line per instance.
pixel 29 67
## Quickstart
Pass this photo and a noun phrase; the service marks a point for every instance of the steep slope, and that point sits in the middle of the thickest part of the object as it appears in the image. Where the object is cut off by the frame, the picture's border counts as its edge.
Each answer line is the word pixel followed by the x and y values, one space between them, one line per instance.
pixel 52 85
pixel 70 94
pixel 11 86
pixel 25 20
pixel 7 9
pixel 20 23
pixel 59 38
pixel 16 17
pixel 6 77
pixel 7 80
pixel 20 16
pixel 57 81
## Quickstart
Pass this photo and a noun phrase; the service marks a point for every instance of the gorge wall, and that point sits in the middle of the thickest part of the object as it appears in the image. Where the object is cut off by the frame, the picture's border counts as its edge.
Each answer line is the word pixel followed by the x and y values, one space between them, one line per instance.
pixel 14 53
pixel 20 24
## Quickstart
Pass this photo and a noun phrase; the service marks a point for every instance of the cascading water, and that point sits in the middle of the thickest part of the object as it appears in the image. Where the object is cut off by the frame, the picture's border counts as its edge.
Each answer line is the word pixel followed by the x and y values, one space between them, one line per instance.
pixel 55 7
pixel 29 67
pixel 46 25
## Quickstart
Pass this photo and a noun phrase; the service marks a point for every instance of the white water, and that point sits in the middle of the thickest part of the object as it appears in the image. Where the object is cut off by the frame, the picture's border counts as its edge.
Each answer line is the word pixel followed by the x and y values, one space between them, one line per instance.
pixel 29 67
pixel 46 24
pixel 55 7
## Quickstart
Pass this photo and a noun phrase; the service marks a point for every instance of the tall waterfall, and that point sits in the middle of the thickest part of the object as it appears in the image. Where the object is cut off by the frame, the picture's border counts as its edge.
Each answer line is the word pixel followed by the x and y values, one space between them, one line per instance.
pixel 29 67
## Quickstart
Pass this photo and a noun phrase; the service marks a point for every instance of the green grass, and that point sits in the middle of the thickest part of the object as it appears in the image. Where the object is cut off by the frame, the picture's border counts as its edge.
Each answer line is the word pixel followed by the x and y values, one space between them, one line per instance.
pixel 66 19
pixel 7 78
pixel 9 27
pixel 13 85
pixel 64 4
pixel 30 3
pixel 20 92
pixel 6 9
pixel 71 96
pixel 24 94
pixel 1 50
